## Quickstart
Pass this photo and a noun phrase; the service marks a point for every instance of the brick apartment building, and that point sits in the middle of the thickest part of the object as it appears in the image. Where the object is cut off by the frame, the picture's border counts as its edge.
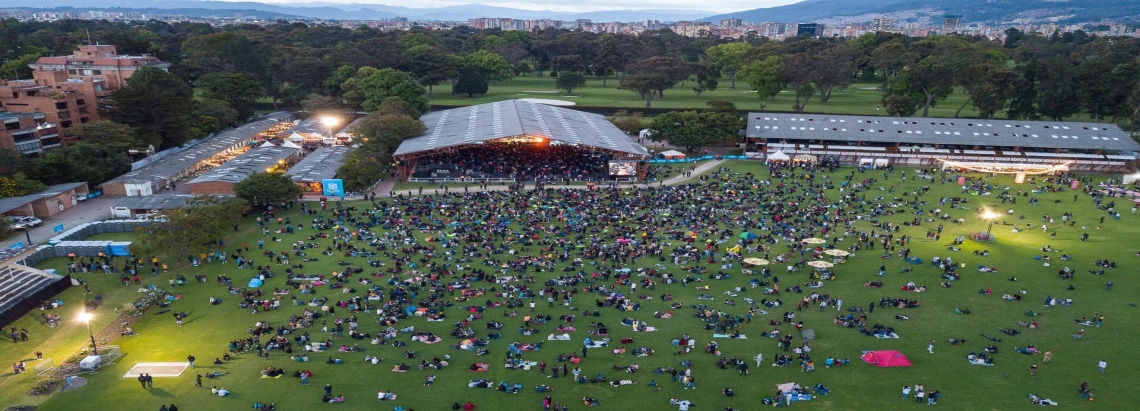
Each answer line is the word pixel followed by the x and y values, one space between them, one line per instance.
pixel 68 90
pixel 27 133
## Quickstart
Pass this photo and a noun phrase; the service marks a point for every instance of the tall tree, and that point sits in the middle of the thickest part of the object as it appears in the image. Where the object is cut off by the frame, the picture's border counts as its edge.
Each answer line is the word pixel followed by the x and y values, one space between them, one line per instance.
pixel 707 75
pixel 82 162
pixel 470 82
pixel 156 104
pixel 796 69
pixel 491 66
pixel 237 89
pixel 766 77
pixel 429 65
pixel 110 134
pixel 392 83
pixel 992 89
pixel 1057 89
pixel 834 69
pixel 569 81
pixel 693 130
pixel 225 51
pixel 730 58
pixel 267 188
pixel 190 230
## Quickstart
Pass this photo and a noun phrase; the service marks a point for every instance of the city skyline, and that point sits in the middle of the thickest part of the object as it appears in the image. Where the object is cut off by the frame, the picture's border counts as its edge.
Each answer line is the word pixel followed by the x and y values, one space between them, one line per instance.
pixel 561 6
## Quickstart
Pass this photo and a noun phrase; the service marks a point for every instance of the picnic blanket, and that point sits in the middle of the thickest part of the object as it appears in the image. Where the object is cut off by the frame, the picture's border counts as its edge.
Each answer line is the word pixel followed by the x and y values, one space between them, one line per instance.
pixel 277 376
pixel 597 344
pixel 741 337
pixel 647 329
pixel 483 367
pixel 809 334
pixel 561 337
pixel 891 335
pixel 524 364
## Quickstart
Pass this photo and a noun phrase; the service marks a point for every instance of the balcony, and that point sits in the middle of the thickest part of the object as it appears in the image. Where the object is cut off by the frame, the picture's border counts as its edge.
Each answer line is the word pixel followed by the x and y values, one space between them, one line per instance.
pixel 30 147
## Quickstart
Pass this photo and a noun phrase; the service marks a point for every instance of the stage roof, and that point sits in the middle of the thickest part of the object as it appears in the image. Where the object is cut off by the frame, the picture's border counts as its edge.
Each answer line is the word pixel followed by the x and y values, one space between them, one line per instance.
pixel 464 126
pixel 955 131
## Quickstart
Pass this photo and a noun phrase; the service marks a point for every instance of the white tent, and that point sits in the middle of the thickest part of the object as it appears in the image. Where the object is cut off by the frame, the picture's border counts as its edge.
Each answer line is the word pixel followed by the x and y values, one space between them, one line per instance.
pixel 296 137
pixel 267 144
pixel 777 156
pixel 290 144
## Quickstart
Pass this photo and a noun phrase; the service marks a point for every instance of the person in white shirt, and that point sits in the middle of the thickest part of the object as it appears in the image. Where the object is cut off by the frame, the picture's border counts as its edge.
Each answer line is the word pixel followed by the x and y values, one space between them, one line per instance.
pixel 682 405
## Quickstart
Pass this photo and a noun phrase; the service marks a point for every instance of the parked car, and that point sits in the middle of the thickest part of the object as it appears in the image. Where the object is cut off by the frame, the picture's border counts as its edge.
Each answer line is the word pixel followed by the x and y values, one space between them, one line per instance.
pixel 32 221
pixel 16 223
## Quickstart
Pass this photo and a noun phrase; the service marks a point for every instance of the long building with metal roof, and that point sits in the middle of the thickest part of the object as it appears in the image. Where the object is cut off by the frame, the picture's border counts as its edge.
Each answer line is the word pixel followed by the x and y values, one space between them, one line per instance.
pixel 193 159
pixel 321 164
pixel 926 141
pixel 455 129
pixel 220 180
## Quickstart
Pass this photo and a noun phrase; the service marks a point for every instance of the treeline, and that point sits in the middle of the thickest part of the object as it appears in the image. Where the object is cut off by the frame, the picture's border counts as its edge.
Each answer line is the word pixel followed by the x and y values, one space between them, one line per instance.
pixel 217 74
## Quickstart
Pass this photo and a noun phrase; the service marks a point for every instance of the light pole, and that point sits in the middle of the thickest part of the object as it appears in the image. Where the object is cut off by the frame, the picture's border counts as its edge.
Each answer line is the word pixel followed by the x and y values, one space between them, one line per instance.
pixel 990 215
pixel 86 317
pixel 330 122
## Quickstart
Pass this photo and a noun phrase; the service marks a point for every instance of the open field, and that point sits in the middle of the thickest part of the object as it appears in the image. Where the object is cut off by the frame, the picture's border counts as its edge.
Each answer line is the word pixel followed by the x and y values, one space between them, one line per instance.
pixel 859 98
pixel 857 386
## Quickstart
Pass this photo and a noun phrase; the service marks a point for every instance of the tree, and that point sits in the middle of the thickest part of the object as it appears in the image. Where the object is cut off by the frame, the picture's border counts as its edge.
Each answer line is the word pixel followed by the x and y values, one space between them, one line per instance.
pixel 361 170
pixel 766 77
pixel 18 185
pixel 211 116
pixel 392 83
pixel 225 51
pixel 383 133
pixel 19 67
pixel 569 81
pixel 156 104
pixel 82 162
pixel 900 99
pixel 834 69
pixel 722 106
pixel 235 88
pixel 107 133
pixel 707 77
pixel 314 103
pixel 796 69
pixel 991 88
pixel 650 77
pixel 267 188
pixel 429 65
pixel 1057 89
pixel 396 105
pixel 491 66
pixel 190 230
pixel 631 124
pixel 693 130
pixel 470 83
pixel 729 57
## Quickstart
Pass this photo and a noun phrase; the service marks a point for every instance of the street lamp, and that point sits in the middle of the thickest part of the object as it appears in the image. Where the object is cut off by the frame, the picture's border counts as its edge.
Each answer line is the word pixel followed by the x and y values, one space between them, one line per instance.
pixel 330 122
pixel 86 317
pixel 990 215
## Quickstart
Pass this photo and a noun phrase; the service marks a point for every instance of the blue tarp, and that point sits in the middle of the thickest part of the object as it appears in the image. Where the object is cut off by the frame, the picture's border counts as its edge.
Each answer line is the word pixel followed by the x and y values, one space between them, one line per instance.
pixel 256 282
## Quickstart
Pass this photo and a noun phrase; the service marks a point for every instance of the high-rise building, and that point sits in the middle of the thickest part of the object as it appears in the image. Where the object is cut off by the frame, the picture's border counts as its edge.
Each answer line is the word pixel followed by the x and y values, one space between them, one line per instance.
pixel 731 22
pixel 951 21
pixel 883 24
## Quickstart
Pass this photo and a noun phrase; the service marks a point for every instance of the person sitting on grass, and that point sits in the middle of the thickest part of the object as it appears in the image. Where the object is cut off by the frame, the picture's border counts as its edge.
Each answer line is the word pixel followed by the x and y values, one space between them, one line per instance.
pixel 593 402
pixel 727 392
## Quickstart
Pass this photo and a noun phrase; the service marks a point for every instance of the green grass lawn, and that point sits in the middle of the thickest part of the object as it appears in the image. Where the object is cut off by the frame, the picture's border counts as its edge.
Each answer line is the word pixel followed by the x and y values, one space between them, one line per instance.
pixel 854 387
pixel 111 237
pixel 859 98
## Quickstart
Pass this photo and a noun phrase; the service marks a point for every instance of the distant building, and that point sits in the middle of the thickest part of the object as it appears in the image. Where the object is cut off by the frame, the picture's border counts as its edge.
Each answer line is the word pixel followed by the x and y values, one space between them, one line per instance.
pixel 882 24
pixel 809 29
pixel 951 21
pixel 731 22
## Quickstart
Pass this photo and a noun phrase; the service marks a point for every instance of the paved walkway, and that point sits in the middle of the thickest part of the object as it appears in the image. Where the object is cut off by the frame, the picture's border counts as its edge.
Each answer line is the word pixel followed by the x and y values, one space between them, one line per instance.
pixel 96 209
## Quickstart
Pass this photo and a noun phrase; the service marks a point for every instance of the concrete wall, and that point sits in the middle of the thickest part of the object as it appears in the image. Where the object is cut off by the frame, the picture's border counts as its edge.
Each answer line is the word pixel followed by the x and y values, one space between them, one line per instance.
pixel 212 187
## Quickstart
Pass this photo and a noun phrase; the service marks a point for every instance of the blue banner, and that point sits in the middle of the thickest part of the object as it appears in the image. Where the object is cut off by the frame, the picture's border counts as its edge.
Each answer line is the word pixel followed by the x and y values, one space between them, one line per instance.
pixel 332 187
pixel 702 158
pixel 58 228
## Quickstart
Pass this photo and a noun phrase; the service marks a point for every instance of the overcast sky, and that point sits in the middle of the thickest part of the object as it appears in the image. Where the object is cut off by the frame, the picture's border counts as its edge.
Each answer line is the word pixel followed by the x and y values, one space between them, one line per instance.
pixel 573 5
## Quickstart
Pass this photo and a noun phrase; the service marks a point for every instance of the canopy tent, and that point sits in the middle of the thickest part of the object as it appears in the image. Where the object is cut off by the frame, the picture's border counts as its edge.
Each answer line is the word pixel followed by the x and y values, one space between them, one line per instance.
pixel 777 156
pixel 290 144
pixel 672 154
pixel 888 358
pixel 255 282
pixel 295 137
pixel 266 144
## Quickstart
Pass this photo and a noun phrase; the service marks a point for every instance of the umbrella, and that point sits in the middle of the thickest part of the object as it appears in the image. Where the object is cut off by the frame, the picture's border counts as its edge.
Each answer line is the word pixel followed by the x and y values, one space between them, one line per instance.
pixel 756 261
pixel 821 264
pixel 814 240
pixel 748 236
pixel 837 253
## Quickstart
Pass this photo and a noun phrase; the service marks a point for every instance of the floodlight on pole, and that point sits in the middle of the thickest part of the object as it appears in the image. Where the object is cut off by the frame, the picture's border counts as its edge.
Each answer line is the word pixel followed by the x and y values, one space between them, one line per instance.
pixel 86 318
pixel 990 215
pixel 330 122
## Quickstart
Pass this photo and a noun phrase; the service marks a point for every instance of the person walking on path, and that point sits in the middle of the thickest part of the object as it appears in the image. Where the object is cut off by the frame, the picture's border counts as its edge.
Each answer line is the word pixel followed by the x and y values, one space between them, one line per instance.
pixel 1033 370
pixel 142 380
pixel 191 359
pixel 905 391
pixel 930 347
pixel 759 359
pixel 149 381
pixel 198 381
pixel 1048 356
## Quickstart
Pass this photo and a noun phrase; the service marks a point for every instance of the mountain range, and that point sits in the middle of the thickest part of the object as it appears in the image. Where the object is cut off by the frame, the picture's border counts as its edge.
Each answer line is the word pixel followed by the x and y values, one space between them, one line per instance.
pixel 358 11
pixel 987 11
pixel 826 11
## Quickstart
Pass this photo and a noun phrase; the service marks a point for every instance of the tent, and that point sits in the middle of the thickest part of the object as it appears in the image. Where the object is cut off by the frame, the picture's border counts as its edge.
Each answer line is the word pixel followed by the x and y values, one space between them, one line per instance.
pixel 889 358
pixel 673 154
pixel 267 144
pixel 295 137
pixel 777 156
pixel 255 282
pixel 748 236
pixel 290 144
